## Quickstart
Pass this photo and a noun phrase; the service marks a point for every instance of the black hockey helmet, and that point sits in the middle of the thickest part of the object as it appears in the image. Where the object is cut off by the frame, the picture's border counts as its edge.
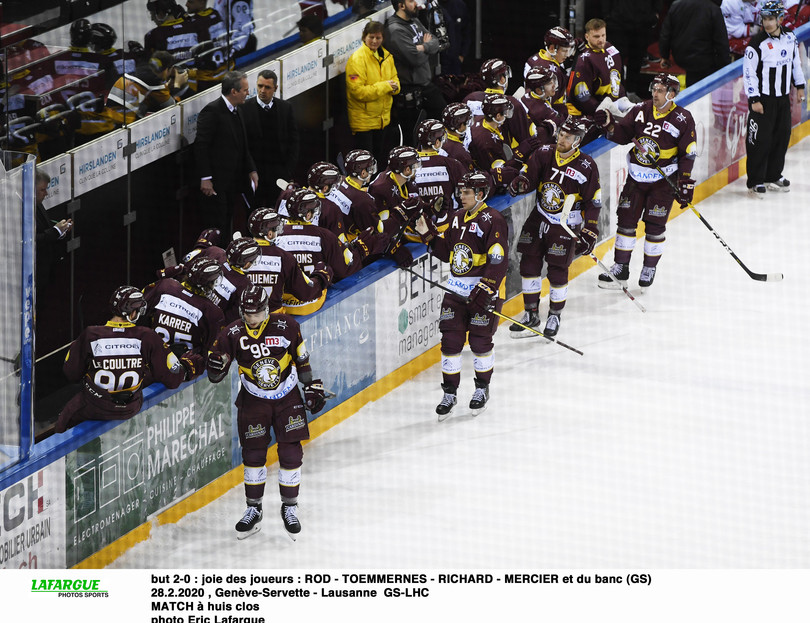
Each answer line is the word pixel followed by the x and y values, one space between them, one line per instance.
pixel 322 174
pixel 303 205
pixel 402 157
pixel 242 251
pixel 559 37
pixel 253 300
pixel 669 81
pixel 165 7
pixel 428 132
pixel 538 77
pixel 203 272
pixel 262 221
pixel 80 33
pixel 492 70
pixel 495 103
pixel 102 37
pixel 478 181
pixel 128 301
pixel 357 160
pixel 455 115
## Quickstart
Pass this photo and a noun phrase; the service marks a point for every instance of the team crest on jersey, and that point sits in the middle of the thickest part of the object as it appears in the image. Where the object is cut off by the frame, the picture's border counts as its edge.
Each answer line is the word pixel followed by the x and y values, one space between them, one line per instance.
pixel 651 148
pixel 267 373
pixel 479 320
pixel 657 210
pixel 462 259
pixel 558 250
pixel 447 314
pixel 254 432
pixel 551 197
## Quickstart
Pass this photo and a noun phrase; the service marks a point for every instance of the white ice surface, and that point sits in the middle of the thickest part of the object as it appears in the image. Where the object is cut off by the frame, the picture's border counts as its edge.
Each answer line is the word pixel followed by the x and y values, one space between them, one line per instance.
pixel 680 440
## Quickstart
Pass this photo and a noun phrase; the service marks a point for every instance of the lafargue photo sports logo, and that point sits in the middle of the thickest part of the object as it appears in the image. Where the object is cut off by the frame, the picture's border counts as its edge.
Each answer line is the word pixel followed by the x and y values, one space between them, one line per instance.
pixel 69 588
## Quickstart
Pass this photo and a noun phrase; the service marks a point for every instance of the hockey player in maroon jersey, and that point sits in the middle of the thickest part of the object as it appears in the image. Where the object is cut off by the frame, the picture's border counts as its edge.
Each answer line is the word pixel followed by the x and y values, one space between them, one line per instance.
pixel 277 270
pixel 666 133
pixel 555 173
pixel 363 225
pixel 477 248
pixel 240 255
pixel 439 174
pixel 272 358
pixel 595 82
pixel 457 119
pixel 540 86
pixel 489 147
pixel 394 186
pixel 559 46
pixel 321 178
pixel 116 361
pixel 181 312
pixel 496 74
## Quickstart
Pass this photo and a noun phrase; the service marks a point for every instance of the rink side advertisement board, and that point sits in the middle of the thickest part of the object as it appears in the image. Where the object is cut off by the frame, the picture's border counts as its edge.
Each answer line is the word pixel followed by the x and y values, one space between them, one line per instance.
pixel 303 69
pixel 99 162
pixel 32 532
pixel 342 44
pixel 155 136
pixel 117 481
pixel 342 342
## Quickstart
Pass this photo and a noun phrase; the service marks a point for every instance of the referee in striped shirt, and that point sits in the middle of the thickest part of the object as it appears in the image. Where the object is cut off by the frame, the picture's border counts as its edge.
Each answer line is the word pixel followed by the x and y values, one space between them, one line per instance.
pixel 770 66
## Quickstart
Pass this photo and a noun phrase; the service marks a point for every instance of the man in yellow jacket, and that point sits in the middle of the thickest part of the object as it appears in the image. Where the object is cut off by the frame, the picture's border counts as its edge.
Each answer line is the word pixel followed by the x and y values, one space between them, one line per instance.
pixel 371 82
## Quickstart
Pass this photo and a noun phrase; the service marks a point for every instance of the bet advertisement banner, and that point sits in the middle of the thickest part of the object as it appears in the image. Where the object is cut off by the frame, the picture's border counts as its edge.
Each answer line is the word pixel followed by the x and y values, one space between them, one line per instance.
pixel 118 481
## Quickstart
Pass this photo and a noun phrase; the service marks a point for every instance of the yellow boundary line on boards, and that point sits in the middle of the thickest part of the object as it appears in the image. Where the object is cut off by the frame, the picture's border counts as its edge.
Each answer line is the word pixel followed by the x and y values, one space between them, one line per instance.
pixel 514 306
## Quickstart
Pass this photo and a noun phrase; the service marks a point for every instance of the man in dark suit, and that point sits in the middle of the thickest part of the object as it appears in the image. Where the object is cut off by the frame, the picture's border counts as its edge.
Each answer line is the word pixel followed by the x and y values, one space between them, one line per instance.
pixel 272 137
pixel 49 246
pixel 228 174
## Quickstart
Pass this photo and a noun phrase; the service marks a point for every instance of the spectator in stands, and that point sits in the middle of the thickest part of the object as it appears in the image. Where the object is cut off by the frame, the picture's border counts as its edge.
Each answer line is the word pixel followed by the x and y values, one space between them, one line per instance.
pixel 273 138
pixel 695 33
pixel 415 53
pixel 630 23
pixel 741 17
pixel 310 27
pixel 371 83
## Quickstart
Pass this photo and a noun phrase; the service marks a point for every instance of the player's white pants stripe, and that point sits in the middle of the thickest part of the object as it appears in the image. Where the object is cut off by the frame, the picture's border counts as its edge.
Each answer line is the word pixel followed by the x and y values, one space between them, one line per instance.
pixel 484 363
pixel 255 475
pixel 625 243
pixel 653 248
pixel 532 285
pixel 289 477
pixel 558 295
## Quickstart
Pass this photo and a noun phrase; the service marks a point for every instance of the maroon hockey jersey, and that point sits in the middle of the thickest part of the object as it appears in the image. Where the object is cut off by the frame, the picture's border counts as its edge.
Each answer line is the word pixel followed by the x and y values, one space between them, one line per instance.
pixel 543 59
pixel 514 129
pixel 544 117
pixel 227 290
pixel 183 316
pixel 668 138
pixel 597 74
pixel 277 271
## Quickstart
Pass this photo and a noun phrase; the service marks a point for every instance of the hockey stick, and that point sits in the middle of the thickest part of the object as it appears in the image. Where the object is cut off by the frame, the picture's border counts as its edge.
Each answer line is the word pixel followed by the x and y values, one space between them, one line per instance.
pixel 753 275
pixel 569 203
pixel 500 315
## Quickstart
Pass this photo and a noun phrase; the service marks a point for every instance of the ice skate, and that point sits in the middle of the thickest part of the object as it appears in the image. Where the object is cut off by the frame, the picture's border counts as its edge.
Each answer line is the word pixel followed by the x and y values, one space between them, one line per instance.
pixel 646 277
pixel 531 319
pixel 757 192
pixel 552 325
pixel 622 274
pixel 250 522
pixel 289 515
pixel 781 185
pixel 445 407
pixel 478 403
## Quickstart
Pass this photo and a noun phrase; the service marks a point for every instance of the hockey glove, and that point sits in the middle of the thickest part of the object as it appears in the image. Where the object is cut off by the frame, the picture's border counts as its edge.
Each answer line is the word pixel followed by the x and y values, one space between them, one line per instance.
pixel 314 396
pixel 402 256
pixel 526 148
pixel 170 271
pixel 193 364
pixel 324 273
pixel 519 185
pixel 686 190
pixel 426 229
pixel 408 210
pixel 587 241
pixel 602 118
pixel 482 298
pixel 218 362
pixel 438 202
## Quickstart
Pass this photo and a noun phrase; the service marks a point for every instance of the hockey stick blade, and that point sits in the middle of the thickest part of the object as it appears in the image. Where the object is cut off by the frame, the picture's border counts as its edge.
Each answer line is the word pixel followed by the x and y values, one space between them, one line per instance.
pixel 749 272
pixel 282 184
